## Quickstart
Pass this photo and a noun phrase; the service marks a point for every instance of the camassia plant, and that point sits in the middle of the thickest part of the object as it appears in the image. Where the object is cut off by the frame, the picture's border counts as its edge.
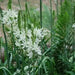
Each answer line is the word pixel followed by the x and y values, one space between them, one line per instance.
pixel 27 44
pixel 24 48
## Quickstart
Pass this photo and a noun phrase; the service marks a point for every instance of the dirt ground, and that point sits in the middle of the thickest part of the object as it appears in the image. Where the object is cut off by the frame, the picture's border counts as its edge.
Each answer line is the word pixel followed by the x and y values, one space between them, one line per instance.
pixel 35 3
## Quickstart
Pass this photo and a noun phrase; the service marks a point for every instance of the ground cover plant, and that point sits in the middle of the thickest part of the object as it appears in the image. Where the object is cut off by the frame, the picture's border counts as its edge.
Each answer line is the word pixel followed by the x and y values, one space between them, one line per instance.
pixel 38 42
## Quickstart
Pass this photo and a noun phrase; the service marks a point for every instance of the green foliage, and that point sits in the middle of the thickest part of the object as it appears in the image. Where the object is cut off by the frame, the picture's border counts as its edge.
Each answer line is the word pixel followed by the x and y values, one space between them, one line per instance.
pixel 60 43
pixel 41 13
pixel 56 59
pixel 9 4
pixel 4 71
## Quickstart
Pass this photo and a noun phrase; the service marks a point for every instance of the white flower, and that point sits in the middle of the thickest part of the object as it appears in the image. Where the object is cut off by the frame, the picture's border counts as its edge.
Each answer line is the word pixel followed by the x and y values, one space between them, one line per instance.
pixel 23 44
pixel 25 68
pixel 17 43
pixel 22 37
pixel 73 25
pixel 18 71
pixel 37 41
pixel 29 34
pixel 9 17
pixel 16 32
pixel 30 54
pixel 71 59
pixel 27 73
pixel 14 73
pixel 29 42
pixel 37 32
pixel 36 48
pixel 32 25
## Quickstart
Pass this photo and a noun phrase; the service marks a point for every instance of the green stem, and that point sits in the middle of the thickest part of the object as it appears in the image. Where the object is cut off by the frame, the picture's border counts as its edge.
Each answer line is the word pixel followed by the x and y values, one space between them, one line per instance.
pixel 10 4
pixel 57 8
pixel 6 45
pixel 41 13
pixel 12 39
pixel 19 4
pixel 51 19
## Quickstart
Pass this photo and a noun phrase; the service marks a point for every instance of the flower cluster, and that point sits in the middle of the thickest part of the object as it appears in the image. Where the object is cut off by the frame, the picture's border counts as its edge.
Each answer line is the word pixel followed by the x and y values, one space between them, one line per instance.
pixel 28 40
pixel 9 17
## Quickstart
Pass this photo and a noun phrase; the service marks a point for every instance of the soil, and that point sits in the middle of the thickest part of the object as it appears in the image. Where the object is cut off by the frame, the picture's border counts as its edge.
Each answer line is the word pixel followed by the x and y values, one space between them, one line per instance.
pixel 35 3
